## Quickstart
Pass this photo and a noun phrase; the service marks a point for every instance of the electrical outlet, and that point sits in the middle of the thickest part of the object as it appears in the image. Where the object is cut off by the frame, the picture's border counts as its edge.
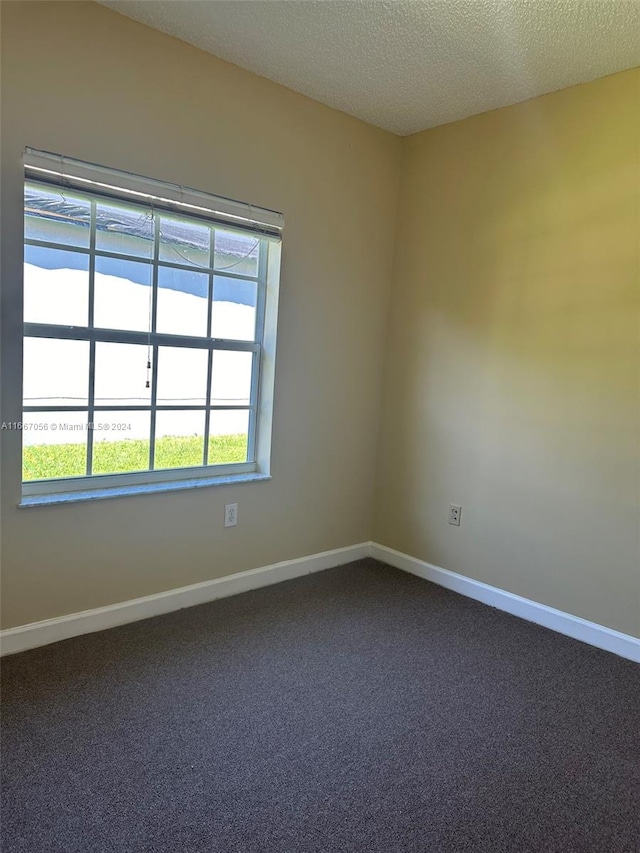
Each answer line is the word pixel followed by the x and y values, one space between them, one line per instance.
pixel 231 515
pixel 455 513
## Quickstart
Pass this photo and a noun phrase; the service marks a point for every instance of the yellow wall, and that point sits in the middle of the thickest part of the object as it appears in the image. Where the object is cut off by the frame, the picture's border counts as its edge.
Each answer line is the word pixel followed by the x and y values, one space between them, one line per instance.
pixel 512 377
pixel 511 380
pixel 86 82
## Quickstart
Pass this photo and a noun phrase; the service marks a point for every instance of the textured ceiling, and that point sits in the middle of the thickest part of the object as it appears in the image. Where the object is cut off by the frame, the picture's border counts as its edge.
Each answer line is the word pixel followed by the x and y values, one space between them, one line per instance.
pixel 406 65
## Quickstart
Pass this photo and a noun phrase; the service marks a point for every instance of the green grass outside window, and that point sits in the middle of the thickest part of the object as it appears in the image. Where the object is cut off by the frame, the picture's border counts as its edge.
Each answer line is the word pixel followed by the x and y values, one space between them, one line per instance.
pixel 49 461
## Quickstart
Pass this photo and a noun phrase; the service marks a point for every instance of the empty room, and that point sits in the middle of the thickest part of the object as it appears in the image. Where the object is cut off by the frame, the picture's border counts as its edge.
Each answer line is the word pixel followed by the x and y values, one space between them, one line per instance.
pixel 320 427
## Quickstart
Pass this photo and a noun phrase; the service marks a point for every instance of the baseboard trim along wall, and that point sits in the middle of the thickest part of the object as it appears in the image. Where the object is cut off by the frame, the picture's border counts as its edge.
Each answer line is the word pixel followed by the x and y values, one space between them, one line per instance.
pixel 36 634
pixel 596 635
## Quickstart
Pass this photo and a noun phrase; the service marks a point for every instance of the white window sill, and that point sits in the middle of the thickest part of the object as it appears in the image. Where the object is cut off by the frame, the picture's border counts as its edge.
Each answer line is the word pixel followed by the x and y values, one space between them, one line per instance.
pixel 139 489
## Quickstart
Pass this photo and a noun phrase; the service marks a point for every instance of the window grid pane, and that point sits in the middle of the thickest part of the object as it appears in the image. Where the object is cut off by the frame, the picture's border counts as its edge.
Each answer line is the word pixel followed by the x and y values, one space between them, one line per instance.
pixel 238 414
pixel 54 445
pixel 121 442
pixel 179 439
pixel 228 437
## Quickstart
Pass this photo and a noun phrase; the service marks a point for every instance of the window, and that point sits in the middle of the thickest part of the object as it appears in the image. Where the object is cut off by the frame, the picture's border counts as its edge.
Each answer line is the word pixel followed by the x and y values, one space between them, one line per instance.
pixel 149 330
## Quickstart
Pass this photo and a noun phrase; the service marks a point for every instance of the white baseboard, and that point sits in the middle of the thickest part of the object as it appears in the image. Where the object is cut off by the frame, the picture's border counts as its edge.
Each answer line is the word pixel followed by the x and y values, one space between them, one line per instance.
pixel 623 645
pixel 63 627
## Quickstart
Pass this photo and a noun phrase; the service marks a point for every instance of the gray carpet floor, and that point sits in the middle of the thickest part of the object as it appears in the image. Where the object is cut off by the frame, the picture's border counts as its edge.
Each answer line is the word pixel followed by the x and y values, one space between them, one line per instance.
pixel 358 709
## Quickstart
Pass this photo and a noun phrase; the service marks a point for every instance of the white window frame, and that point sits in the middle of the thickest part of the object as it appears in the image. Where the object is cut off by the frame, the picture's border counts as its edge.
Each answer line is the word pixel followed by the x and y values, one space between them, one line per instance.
pixel 97 184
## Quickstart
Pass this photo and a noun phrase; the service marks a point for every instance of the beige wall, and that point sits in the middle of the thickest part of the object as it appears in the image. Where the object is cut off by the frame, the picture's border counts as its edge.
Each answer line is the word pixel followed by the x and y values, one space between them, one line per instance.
pixel 84 81
pixel 511 382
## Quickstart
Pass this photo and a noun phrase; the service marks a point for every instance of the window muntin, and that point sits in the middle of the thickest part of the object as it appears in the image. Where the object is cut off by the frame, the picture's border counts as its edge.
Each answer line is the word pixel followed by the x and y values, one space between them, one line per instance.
pixel 171 344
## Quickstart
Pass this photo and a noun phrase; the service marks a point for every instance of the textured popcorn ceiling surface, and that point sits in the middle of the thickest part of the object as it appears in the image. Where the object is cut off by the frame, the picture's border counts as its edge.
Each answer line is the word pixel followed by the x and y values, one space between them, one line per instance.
pixel 406 66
